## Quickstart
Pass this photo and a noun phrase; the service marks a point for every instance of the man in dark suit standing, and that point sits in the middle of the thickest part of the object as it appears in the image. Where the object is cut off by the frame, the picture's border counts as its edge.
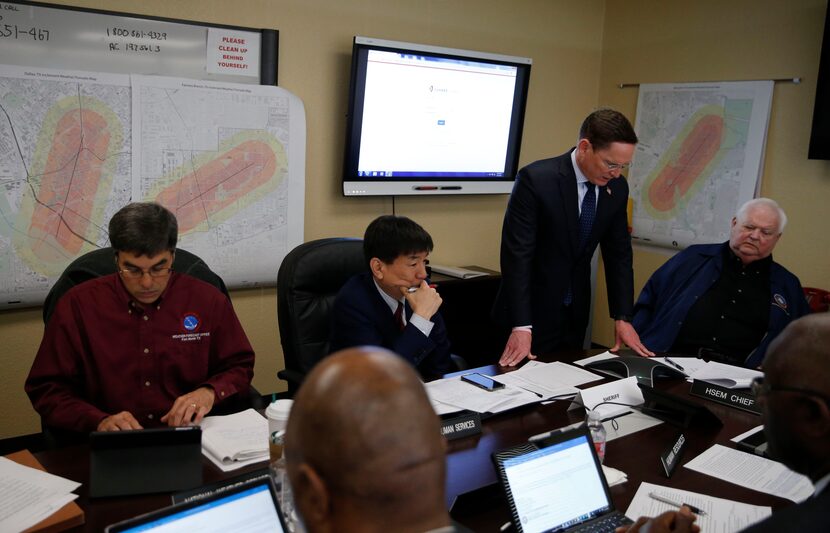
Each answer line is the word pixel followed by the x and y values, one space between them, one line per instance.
pixel 392 305
pixel 559 211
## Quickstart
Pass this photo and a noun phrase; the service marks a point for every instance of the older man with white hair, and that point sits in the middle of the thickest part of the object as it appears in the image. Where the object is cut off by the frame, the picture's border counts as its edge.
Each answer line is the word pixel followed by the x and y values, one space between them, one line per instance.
pixel 728 300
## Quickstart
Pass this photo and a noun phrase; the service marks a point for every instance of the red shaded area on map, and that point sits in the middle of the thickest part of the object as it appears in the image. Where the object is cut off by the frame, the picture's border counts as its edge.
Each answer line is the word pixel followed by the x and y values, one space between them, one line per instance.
pixel 219 183
pixel 69 183
pixel 695 153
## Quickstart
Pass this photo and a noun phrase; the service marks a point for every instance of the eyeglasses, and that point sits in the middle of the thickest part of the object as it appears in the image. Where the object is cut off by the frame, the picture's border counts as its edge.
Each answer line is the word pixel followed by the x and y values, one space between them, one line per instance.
pixel 137 273
pixel 760 388
pixel 615 166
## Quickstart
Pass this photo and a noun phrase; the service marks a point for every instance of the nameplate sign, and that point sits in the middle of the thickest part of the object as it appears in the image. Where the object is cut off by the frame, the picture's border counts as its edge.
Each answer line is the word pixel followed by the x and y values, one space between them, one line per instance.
pixel 606 398
pixel 459 426
pixel 730 397
pixel 671 457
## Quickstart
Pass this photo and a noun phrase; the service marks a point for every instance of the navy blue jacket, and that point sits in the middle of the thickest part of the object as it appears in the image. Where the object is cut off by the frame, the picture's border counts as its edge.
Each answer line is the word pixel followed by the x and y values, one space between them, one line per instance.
pixel 361 317
pixel 673 289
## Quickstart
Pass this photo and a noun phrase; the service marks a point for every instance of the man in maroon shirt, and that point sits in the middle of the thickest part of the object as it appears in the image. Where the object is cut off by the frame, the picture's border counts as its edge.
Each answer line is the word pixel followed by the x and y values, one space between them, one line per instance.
pixel 143 347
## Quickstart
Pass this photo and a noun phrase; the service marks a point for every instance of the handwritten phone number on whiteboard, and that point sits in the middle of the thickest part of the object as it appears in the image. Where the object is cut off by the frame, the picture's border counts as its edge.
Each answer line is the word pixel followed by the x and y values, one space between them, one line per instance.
pixel 17 32
pixel 138 34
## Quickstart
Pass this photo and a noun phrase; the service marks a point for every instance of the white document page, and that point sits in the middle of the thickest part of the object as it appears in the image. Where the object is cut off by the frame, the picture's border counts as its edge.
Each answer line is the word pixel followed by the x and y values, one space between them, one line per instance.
pixel 546 391
pixel 734 377
pixel 753 472
pixel 28 495
pixel 452 391
pixel 598 357
pixel 552 376
pixel 237 437
pixel 689 365
pixel 722 516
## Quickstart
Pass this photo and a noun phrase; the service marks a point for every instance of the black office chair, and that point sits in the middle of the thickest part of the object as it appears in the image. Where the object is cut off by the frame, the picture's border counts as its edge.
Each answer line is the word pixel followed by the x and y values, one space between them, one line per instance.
pixel 308 281
pixel 101 262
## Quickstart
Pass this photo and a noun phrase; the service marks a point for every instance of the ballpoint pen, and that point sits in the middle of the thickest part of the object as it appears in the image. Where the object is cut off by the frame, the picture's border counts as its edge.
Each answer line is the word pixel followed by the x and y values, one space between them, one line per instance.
pixel 692 508
pixel 675 365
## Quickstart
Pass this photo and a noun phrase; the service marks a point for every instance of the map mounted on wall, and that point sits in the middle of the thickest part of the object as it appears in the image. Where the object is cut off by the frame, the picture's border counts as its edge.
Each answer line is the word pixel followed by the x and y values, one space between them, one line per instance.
pixel 700 157
pixel 228 159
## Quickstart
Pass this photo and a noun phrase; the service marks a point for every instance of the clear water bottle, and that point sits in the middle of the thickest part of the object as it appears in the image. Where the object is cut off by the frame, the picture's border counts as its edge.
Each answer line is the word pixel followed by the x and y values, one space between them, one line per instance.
pixel 597 433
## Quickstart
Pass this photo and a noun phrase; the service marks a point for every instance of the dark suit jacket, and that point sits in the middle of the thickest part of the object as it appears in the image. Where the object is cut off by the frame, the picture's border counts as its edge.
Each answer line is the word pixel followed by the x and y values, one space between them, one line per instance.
pixel 812 514
pixel 539 249
pixel 361 317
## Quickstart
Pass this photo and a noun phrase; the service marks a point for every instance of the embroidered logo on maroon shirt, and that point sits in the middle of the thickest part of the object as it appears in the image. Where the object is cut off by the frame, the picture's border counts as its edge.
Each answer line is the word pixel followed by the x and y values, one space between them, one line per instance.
pixel 191 322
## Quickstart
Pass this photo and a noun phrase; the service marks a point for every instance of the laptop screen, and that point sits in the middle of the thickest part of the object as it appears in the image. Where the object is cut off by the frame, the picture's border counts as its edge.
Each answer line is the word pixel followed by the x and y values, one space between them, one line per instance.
pixel 250 510
pixel 558 486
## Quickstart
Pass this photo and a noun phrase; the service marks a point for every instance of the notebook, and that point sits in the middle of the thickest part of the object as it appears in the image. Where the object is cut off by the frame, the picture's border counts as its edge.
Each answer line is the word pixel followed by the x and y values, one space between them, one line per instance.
pixel 144 461
pixel 557 485
pixel 249 507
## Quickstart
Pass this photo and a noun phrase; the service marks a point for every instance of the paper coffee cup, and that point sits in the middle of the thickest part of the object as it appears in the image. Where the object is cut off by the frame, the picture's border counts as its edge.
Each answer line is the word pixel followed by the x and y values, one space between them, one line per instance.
pixel 277 414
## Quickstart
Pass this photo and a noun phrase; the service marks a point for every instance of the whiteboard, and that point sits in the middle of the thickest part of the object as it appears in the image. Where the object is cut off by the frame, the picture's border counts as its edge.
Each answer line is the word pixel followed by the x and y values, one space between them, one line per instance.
pixel 40 35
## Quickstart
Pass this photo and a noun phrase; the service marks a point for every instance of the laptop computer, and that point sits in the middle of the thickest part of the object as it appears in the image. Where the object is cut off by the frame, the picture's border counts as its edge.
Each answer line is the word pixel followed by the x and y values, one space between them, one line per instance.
pixel 557 485
pixel 144 461
pixel 249 507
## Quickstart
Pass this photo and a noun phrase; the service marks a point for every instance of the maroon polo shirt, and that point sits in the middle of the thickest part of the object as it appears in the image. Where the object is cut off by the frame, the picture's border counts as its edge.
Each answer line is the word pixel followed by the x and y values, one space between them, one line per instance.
pixel 102 353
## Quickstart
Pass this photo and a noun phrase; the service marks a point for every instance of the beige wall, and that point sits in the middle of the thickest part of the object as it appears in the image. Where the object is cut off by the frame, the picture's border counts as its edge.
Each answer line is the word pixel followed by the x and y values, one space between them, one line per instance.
pixel 653 41
pixel 581 50
pixel 564 39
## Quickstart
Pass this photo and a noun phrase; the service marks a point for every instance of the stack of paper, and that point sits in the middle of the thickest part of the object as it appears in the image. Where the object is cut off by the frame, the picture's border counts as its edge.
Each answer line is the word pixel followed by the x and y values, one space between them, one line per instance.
pixel 534 382
pixel 721 515
pixel 28 495
pixel 551 380
pixel 752 472
pixel 451 394
pixel 729 376
pixel 233 441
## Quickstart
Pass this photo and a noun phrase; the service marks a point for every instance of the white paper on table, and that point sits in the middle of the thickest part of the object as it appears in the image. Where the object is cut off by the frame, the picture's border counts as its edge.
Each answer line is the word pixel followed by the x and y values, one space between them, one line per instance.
pixel 548 390
pixel 628 424
pixel 614 476
pixel 228 466
pixel 235 437
pixel 452 391
pixel 555 374
pixel 28 495
pixel 723 516
pixel 442 408
pixel 746 434
pixel 753 472
pixel 691 365
pixel 598 357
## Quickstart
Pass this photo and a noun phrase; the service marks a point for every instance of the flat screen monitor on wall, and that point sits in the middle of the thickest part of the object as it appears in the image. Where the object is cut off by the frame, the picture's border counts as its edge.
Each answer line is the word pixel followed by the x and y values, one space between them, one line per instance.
pixel 428 120
pixel 820 137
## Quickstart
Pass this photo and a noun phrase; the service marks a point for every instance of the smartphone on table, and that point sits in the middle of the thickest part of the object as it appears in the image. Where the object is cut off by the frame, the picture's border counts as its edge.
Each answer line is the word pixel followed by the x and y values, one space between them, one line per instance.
pixel 482 381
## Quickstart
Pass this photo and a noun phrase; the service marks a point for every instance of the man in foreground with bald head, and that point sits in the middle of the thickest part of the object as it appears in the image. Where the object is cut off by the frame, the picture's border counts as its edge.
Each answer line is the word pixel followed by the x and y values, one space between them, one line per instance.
pixel 794 396
pixel 364 449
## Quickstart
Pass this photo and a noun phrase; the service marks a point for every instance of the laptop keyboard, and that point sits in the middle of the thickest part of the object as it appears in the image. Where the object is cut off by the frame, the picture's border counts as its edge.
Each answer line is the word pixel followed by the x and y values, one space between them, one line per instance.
pixel 603 524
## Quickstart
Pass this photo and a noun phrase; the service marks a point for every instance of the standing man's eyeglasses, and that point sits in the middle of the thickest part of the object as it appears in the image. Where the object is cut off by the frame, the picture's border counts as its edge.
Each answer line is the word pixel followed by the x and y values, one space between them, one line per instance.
pixel 616 166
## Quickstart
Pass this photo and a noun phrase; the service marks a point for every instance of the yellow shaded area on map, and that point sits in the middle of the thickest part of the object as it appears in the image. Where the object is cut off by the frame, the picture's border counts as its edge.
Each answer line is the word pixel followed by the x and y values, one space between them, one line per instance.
pixel 684 167
pixel 211 187
pixel 70 178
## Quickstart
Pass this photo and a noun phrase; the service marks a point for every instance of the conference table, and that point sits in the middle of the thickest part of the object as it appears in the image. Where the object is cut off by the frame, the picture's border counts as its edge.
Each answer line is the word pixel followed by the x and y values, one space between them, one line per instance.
pixel 473 495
